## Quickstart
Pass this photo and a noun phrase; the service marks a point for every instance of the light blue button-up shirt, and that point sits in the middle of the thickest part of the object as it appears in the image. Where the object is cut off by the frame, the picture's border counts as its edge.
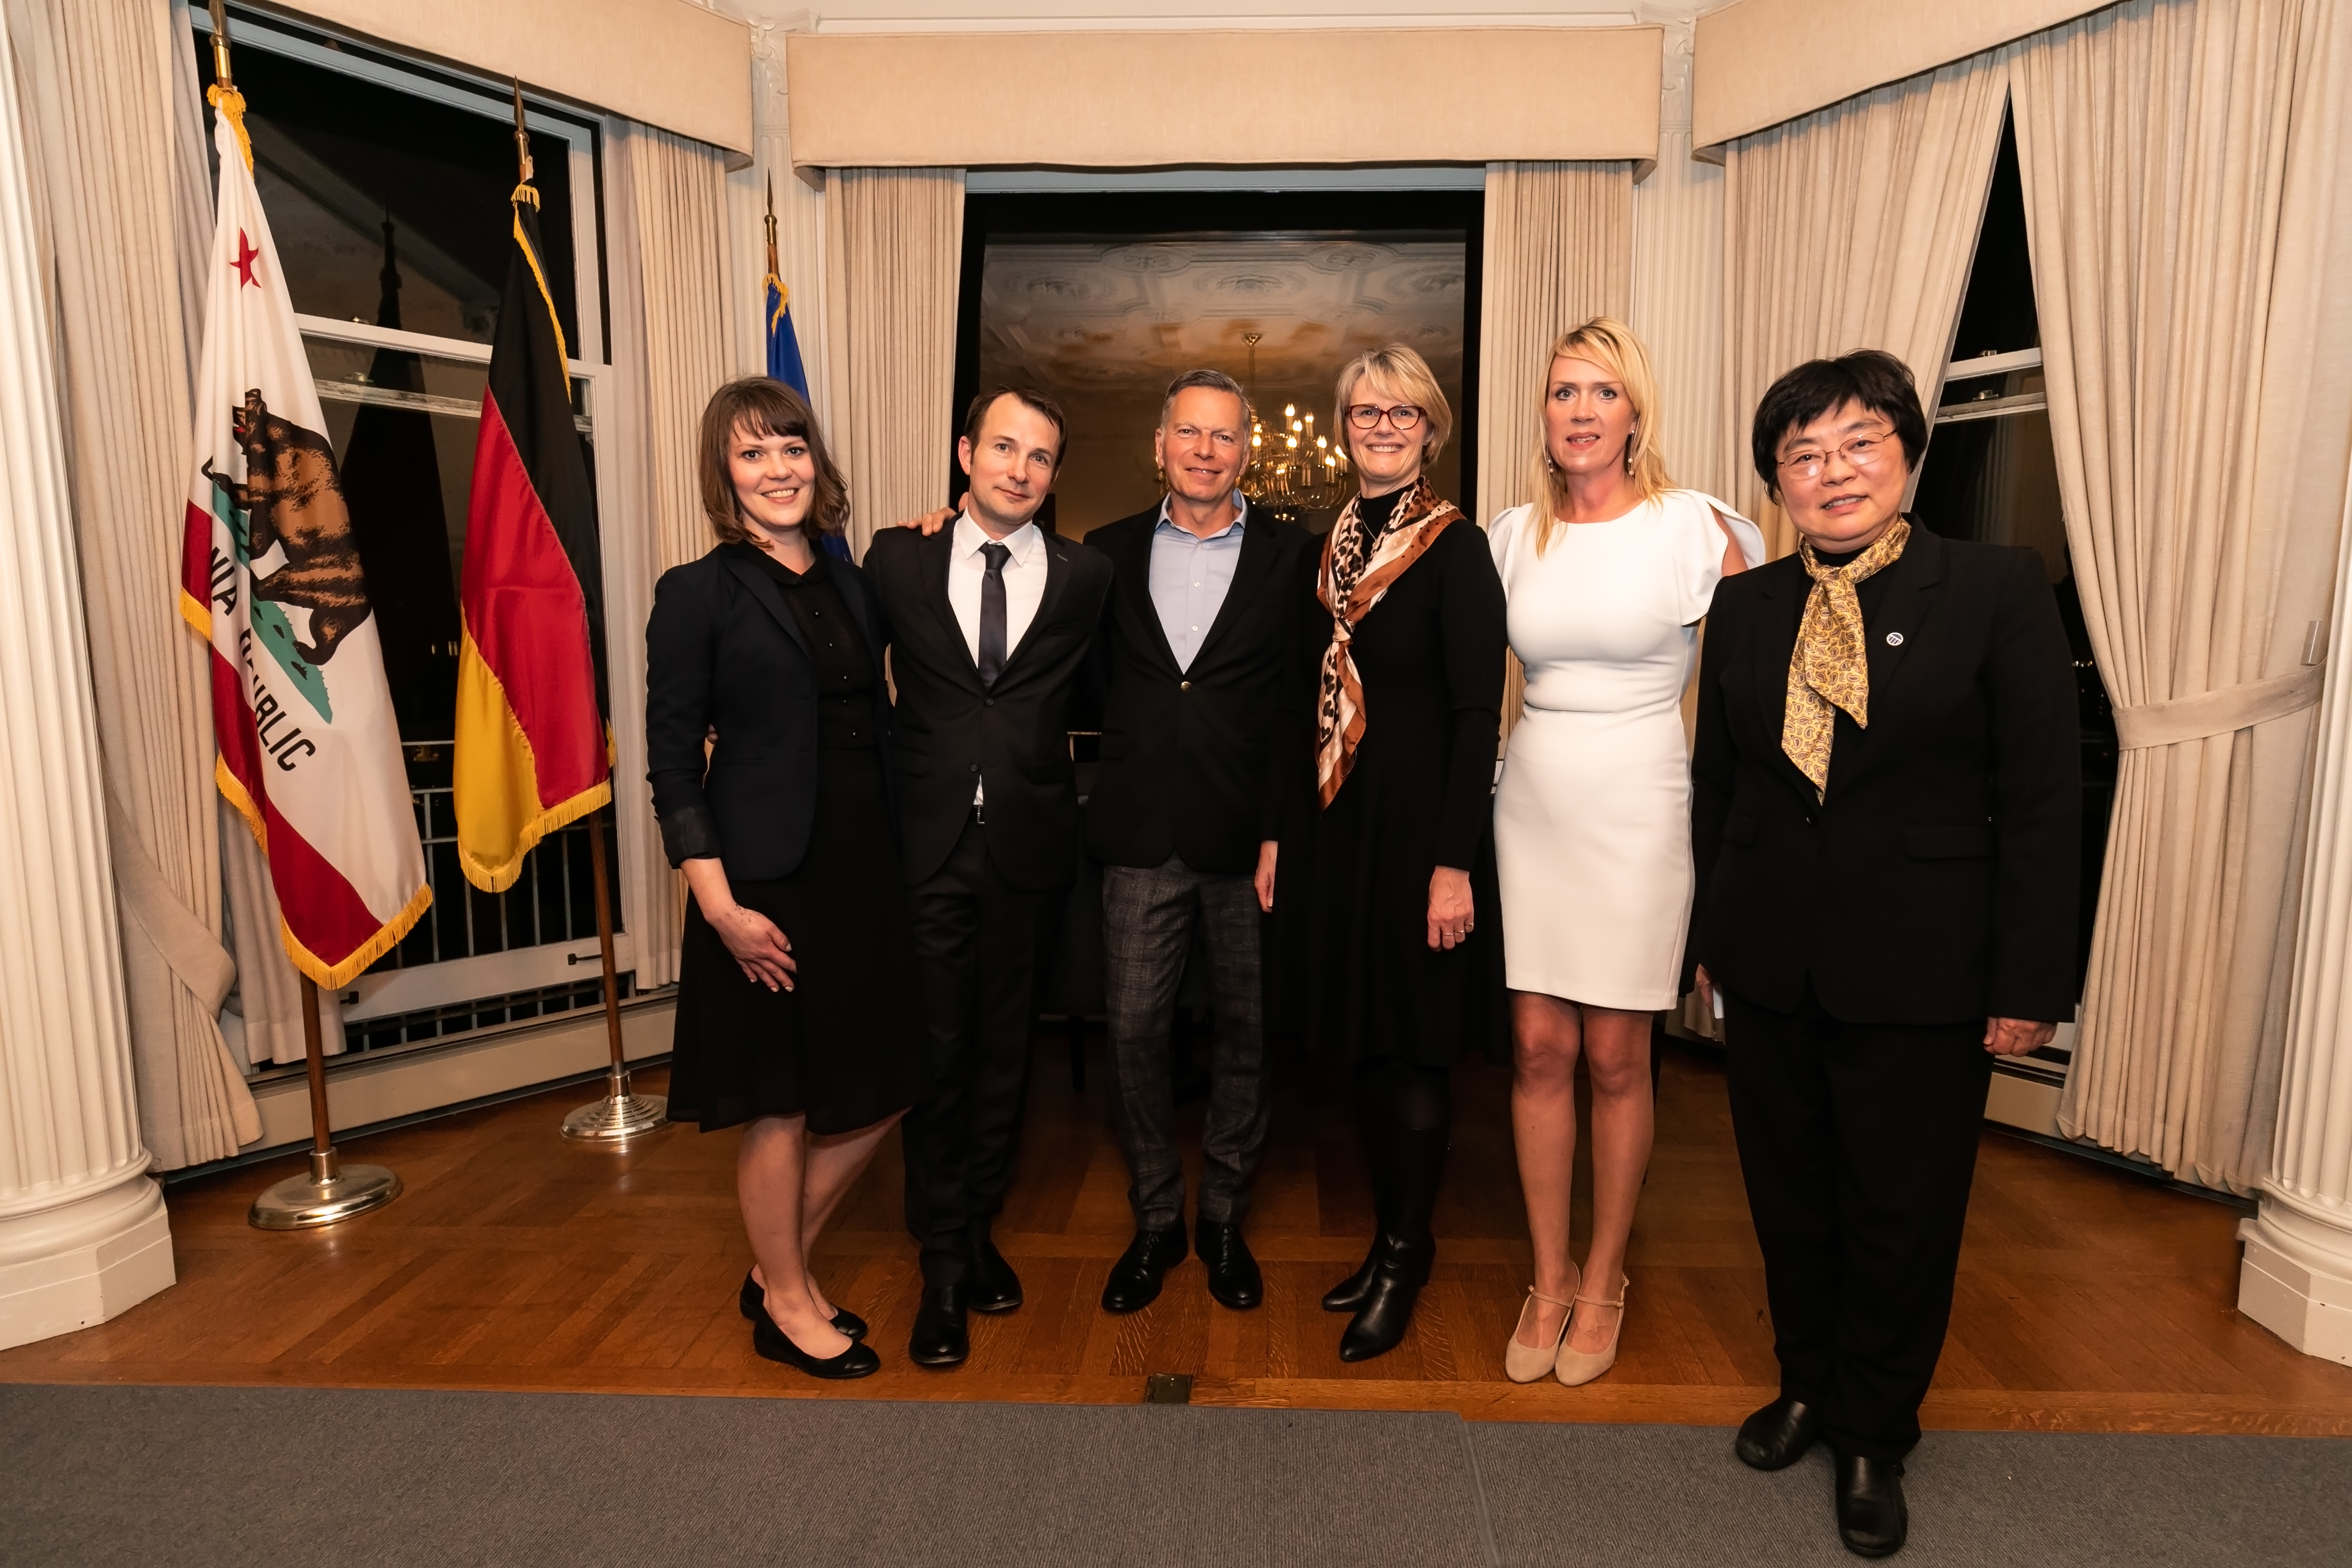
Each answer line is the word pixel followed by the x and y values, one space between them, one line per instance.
pixel 1190 576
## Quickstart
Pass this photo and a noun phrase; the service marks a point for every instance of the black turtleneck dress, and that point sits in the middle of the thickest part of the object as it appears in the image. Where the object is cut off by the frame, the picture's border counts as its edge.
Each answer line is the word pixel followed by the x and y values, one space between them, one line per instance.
pixel 1352 903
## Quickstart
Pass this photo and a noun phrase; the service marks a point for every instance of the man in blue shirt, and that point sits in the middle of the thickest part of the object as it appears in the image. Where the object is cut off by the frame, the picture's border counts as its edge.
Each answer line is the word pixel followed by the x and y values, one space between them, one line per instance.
pixel 1184 809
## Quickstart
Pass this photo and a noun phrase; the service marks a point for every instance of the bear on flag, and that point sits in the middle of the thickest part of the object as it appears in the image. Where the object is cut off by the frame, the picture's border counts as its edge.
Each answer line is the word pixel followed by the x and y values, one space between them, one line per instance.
pixel 270 579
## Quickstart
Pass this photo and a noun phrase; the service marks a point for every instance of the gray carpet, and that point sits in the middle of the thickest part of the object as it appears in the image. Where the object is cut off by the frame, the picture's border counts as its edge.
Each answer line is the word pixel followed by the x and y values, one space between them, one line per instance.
pixel 101 1476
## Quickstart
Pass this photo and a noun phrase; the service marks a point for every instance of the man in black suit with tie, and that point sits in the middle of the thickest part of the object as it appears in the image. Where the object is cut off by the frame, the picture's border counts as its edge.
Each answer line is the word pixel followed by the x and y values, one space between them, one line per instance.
pixel 1185 807
pixel 991 621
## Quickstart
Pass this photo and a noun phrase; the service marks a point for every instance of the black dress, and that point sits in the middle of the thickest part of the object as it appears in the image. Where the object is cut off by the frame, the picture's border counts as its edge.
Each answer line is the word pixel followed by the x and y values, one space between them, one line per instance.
pixel 1421 795
pixel 843 1046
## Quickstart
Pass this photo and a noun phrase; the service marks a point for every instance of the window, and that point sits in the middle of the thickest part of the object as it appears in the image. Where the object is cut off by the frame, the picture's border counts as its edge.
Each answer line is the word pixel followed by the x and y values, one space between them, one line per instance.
pixel 1990 474
pixel 387 187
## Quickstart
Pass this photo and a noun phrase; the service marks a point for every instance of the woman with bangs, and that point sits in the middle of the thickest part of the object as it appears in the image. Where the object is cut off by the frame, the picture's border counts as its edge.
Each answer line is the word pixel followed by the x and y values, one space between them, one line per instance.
pixel 1606 576
pixel 1393 875
pixel 797 1017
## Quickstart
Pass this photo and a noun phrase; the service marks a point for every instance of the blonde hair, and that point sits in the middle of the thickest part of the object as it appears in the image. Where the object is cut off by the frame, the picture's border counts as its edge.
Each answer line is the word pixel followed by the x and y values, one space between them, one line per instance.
pixel 1611 344
pixel 1396 371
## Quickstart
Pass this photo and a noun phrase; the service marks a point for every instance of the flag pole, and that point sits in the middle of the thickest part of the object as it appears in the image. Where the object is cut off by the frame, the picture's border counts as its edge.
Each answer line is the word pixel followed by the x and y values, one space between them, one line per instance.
pixel 621 1114
pixel 332 1191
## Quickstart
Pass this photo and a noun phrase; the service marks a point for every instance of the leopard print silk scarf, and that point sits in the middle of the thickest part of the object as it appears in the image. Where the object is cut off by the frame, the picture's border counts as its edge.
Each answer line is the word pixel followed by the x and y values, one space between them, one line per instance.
pixel 1830 667
pixel 1355 576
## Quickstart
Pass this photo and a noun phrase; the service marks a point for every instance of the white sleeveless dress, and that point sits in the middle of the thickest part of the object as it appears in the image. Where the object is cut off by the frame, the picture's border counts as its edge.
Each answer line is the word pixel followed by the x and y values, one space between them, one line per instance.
pixel 1592 813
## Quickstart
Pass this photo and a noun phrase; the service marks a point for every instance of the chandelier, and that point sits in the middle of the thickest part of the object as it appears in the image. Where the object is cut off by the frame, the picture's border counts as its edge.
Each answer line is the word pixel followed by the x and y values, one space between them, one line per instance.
pixel 1292 467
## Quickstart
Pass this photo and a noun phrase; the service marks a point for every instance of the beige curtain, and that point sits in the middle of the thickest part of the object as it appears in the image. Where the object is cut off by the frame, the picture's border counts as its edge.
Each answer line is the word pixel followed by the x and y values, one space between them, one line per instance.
pixel 1851 229
pixel 1559 251
pixel 2185 167
pixel 894 257
pixel 99 79
pixel 666 208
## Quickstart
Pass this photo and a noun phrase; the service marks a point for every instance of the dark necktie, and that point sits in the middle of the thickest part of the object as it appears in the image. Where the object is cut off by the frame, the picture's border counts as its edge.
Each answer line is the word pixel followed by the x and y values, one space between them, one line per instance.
pixel 992 613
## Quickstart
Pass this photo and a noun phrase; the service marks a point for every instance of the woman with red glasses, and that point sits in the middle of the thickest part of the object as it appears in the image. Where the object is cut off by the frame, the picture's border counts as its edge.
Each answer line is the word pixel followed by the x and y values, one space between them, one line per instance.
pixel 1887 797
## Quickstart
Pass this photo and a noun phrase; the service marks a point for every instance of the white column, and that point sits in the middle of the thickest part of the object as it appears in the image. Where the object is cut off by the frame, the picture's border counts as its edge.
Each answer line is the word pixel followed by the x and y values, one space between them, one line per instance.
pixel 82 1228
pixel 2296 1277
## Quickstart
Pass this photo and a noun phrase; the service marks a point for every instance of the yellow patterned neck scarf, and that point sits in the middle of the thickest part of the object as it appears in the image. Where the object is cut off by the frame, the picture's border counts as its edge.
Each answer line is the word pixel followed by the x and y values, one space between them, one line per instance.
pixel 1830 668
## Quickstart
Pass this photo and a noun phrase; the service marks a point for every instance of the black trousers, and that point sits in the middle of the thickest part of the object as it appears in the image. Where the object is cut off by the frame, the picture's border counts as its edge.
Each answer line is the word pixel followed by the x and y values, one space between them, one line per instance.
pixel 981 946
pixel 1858 1143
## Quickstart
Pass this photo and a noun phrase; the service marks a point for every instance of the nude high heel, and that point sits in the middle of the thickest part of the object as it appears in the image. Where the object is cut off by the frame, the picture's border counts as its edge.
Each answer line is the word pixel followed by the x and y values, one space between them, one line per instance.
pixel 1524 1362
pixel 1575 1366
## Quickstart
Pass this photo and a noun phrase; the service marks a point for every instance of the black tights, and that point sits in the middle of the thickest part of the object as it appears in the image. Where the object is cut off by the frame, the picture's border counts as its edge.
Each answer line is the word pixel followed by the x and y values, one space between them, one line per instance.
pixel 1406 1115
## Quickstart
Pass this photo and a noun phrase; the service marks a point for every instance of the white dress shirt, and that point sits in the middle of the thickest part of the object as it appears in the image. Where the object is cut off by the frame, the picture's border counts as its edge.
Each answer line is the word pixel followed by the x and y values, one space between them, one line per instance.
pixel 1024 582
pixel 1024 588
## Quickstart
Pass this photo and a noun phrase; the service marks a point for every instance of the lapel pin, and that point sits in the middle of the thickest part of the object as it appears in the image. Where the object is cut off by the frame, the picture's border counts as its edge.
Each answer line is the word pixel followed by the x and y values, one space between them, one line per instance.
pixel 1894 639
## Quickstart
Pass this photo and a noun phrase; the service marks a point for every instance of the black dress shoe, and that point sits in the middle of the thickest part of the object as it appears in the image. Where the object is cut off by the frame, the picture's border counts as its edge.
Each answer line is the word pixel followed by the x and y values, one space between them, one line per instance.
pixel 995 1288
pixel 1872 1520
pixel 1379 1325
pixel 1777 1436
pixel 1135 1280
pixel 1349 1293
pixel 939 1338
pixel 754 1302
pixel 772 1343
pixel 1233 1278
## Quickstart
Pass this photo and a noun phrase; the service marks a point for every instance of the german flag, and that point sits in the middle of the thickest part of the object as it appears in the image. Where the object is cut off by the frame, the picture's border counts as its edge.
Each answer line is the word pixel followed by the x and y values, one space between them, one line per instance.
pixel 532 751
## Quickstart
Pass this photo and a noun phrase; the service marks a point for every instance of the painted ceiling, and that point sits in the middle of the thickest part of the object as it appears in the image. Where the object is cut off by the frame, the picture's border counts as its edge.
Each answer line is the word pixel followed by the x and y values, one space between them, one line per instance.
pixel 1111 322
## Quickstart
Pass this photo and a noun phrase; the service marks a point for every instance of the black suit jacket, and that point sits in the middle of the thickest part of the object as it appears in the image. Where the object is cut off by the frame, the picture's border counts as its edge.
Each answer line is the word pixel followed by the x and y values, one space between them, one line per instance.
pixel 723 650
pixel 1187 765
pixel 951 732
pixel 1935 883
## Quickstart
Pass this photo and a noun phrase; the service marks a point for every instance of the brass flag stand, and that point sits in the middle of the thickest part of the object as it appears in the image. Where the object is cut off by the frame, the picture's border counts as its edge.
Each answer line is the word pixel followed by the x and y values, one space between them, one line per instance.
pixel 332 1191
pixel 621 1115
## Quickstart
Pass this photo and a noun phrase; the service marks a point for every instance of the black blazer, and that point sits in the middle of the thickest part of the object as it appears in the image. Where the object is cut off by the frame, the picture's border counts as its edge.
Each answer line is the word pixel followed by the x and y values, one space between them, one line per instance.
pixel 723 651
pixel 1187 768
pixel 951 732
pixel 1937 882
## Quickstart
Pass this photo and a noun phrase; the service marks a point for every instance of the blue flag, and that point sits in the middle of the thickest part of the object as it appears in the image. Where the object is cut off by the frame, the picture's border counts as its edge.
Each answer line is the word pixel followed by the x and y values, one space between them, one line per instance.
pixel 784 365
pixel 783 348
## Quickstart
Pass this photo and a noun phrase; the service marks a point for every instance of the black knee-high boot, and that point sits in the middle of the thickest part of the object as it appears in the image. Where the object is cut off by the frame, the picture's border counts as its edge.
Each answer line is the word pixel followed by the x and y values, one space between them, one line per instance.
pixel 1375 1100
pixel 1420 1122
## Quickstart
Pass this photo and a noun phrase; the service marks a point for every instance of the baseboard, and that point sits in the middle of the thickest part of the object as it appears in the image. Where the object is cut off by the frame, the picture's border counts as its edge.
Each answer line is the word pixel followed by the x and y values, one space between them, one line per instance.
pixel 408 1084
pixel 2026 1100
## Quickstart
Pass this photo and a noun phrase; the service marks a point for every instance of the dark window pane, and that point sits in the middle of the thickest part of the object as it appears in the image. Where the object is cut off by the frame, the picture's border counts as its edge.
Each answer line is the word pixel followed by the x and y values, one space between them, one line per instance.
pixel 340 161
pixel 1997 317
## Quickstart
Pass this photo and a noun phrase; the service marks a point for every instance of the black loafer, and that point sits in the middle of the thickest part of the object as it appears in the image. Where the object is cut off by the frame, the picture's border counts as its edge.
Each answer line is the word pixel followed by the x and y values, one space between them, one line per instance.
pixel 1872 1520
pixel 754 1304
pixel 1235 1281
pixel 1777 1436
pixel 939 1338
pixel 772 1343
pixel 1348 1294
pixel 1135 1280
pixel 994 1287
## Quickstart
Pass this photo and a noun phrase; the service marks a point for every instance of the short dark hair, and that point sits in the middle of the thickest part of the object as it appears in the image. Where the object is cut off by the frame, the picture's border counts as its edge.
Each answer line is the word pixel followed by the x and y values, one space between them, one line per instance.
pixel 1873 378
pixel 763 407
pixel 1212 380
pixel 1029 398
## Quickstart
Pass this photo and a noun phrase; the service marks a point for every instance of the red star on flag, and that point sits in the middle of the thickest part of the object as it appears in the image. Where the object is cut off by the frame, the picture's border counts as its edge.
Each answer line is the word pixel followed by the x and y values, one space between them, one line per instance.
pixel 246 257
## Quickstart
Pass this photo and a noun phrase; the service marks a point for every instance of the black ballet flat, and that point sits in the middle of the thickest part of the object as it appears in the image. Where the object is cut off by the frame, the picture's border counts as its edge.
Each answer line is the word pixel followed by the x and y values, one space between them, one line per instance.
pixel 774 1345
pixel 754 1302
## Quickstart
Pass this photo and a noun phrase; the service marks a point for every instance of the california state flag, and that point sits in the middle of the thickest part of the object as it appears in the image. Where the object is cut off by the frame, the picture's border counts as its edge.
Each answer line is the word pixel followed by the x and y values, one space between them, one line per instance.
pixel 270 577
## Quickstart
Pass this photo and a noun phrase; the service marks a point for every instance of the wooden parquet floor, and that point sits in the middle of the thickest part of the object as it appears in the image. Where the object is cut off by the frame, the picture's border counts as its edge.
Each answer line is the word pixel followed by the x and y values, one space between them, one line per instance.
pixel 2089 1299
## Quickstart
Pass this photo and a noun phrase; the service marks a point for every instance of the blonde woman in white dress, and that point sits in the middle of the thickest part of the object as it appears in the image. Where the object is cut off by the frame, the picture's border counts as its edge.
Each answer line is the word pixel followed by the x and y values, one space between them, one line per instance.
pixel 1606 578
